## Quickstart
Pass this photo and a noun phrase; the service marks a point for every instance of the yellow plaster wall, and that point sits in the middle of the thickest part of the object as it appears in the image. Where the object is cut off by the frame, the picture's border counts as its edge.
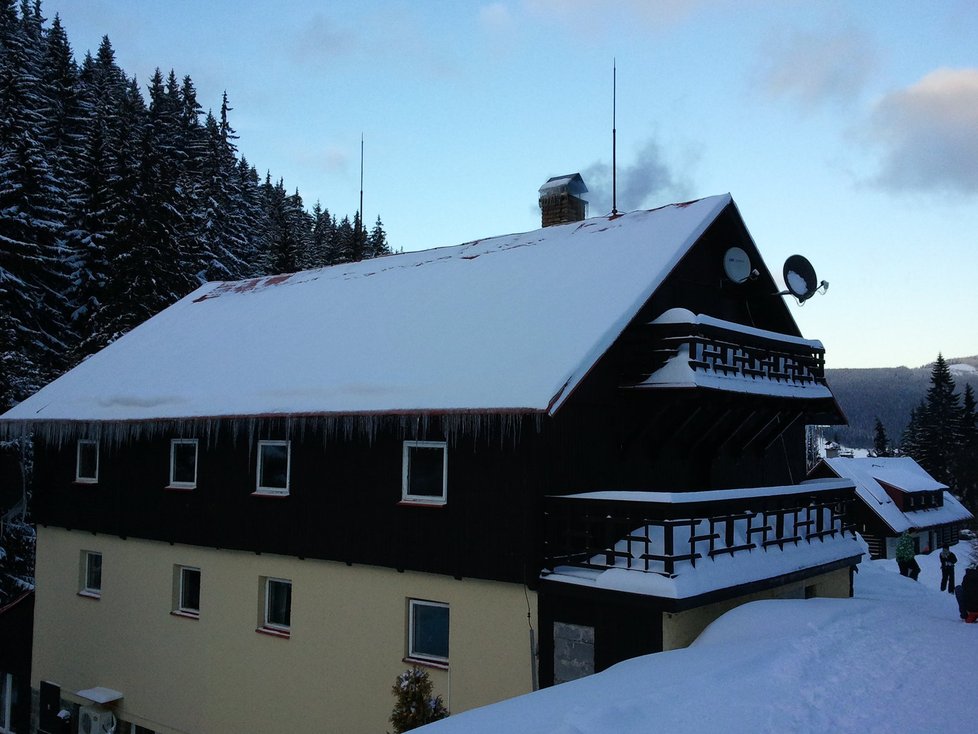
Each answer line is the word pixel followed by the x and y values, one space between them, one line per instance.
pixel 680 629
pixel 214 674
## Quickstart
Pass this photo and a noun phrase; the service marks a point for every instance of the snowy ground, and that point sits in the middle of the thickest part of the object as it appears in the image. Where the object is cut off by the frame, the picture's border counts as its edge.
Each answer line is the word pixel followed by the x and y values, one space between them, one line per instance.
pixel 896 658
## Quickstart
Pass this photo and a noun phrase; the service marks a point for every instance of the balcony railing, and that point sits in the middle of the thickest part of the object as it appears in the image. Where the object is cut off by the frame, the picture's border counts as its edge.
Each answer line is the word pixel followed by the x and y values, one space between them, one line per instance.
pixel 656 532
pixel 682 348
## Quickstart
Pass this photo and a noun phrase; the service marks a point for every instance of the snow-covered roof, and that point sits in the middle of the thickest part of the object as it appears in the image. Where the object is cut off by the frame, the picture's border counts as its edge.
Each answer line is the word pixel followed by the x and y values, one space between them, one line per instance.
pixel 906 475
pixel 508 324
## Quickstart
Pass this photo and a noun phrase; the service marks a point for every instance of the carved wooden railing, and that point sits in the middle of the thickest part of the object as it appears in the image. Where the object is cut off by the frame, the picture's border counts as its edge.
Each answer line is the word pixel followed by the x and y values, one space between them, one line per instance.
pixel 724 349
pixel 654 535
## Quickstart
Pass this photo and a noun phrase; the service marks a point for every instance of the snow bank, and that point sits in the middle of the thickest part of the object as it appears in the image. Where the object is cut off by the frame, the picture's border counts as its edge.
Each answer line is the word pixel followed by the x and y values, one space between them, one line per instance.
pixel 888 660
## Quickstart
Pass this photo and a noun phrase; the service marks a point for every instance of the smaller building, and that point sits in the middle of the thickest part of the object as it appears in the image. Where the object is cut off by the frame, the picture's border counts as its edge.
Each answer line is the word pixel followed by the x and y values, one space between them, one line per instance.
pixel 896 494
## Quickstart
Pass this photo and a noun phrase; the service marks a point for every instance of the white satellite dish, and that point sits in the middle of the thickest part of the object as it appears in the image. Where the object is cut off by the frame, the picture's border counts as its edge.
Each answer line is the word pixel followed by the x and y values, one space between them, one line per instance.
pixel 736 265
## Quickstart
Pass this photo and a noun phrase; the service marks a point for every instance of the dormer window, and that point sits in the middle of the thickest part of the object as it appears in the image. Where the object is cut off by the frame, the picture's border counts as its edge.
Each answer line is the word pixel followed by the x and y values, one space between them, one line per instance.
pixel 273 468
pixel 86 462
pixel 183 463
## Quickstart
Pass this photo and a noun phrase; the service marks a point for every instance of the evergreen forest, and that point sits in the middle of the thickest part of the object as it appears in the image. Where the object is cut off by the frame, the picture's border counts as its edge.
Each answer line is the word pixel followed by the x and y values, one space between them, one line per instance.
pixel 115 201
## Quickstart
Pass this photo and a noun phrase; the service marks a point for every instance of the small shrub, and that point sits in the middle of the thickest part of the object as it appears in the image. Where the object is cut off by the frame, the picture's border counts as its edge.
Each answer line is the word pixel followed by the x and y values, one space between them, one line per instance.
pixel 414 705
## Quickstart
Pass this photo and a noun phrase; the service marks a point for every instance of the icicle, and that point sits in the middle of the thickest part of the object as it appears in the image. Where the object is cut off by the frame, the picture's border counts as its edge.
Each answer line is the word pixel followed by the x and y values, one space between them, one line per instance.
pixel 506 427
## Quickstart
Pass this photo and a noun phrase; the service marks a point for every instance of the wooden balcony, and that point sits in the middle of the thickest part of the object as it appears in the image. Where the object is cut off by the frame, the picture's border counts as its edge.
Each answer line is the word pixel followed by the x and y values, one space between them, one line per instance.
pixel 684 350
pixel 671 533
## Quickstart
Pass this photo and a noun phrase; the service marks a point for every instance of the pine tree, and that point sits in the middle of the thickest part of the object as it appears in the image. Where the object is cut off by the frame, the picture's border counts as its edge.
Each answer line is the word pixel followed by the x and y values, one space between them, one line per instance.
pixel 881 444
pixel 415 705
pixel 344 247
pixel 377 241
pixel 940 425
pixel 33 276
pixel 911 441
pixel 966 468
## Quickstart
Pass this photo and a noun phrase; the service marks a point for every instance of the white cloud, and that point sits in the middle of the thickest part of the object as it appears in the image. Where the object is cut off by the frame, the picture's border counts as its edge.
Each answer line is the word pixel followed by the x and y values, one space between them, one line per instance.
pixel 929 133
pixel 329 160
pixel 592 17
pixel 815 68
pixel 496 17
pixel 320 40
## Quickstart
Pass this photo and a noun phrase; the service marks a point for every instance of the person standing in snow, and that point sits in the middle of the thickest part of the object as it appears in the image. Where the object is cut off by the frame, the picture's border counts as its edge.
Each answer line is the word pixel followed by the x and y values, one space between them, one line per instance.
pixel 948 559
pixel 905 555
pixel 968 597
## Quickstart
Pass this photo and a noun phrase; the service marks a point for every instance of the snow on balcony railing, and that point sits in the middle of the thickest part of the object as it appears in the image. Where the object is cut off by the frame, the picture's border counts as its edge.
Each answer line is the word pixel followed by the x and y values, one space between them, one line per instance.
pixel 702 351
pixel 676 537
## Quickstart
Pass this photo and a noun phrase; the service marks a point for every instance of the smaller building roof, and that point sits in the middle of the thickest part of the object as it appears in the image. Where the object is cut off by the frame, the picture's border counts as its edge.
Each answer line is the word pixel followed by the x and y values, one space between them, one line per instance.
pixel 870 474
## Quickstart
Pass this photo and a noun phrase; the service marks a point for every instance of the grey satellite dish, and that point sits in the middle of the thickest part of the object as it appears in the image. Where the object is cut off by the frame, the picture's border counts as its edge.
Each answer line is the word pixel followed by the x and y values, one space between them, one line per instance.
pixel 799 277
pixel 736 265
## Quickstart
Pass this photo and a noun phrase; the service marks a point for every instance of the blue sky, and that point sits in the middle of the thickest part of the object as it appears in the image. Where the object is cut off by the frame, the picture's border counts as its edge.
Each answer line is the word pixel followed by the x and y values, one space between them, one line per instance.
pixel 846 132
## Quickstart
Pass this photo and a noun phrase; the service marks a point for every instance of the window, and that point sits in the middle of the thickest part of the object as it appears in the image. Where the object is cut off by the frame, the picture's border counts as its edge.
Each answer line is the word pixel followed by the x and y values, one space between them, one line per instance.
pixel 273 467
pixel 277 605
pixel 187 591
pixel 183 463
pixel 86 464
pixel 428 631
pixel 91 574
pixel 425 475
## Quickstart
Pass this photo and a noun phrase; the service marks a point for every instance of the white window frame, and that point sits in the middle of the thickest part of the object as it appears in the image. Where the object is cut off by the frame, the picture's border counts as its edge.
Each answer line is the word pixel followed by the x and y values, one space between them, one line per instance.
pixel 266 623
pixel 173 455
pixel 422 656
pixel 420 499
pixel 78 462
pixel 7 684
pixel 259 489
pixel 179 606
pixel 86 586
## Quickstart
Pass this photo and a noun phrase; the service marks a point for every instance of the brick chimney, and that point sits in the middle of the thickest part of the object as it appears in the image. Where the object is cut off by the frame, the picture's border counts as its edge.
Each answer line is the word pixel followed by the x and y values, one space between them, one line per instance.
pixel 561 200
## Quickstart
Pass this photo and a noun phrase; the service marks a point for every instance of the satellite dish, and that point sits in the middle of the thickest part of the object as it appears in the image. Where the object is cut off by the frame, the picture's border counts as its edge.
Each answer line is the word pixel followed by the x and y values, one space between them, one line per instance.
pixel 799 277
pixel 736 265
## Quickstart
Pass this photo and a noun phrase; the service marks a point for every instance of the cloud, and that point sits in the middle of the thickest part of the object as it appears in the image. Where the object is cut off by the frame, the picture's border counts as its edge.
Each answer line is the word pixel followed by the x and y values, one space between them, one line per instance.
pixel 929 133
pixel 320 40
pixel 649 181
pixel 590 17
pixel 818 68
pixel 329 160
pixel 495 17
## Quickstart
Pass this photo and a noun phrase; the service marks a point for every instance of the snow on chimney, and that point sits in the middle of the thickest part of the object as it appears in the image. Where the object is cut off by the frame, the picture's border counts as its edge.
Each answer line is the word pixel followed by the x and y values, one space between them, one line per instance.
pixel 561 200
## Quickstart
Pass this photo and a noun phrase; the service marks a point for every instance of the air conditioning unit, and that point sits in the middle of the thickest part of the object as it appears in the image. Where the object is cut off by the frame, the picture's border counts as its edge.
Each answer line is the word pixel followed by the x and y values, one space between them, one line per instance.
pixel 93 720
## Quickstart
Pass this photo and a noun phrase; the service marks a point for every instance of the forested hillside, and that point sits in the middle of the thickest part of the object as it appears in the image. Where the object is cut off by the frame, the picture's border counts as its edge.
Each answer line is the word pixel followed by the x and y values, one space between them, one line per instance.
pixel 888 393
pixel 117 199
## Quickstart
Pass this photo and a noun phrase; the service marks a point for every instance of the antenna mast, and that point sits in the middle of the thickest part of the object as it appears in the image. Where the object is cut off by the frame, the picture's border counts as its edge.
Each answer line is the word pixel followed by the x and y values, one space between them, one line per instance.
pixel 361 182
pixel 614 137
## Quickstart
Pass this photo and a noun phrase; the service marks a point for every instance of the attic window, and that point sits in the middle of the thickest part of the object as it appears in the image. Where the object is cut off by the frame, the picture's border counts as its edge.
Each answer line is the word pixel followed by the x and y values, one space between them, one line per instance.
pixel 425 472
pixel 183 463
pixel 273 468
pixel 86 465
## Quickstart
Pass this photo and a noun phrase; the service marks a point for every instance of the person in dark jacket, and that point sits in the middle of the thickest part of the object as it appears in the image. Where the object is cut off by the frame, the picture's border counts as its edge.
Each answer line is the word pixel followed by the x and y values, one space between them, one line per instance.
pixel 948 559
pixel 968 598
